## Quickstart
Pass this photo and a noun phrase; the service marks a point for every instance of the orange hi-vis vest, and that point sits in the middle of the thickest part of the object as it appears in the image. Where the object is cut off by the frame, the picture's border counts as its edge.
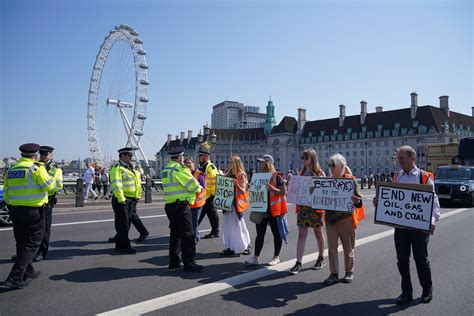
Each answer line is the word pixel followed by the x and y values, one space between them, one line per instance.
pixel 298 207
pixel 277 202
pixel 424 176
pixel 359 212
pixel 241 199
pixel 200 197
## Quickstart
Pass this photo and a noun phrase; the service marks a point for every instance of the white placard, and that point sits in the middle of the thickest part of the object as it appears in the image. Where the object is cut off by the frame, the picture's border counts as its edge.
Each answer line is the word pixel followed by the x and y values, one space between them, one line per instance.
pixel 224 193
pixel 333 194
pixel 258 197
pixel 298 190
pixel 402 207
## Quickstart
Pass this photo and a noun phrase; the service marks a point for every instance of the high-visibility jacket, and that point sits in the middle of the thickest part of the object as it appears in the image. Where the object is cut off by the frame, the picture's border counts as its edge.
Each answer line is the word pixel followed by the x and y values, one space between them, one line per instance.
pixel 179 185
pixel 55 173
pixel 241 198
pixel 424 176
pixel 200 197
pixel 27 183
pixel 359 212
pixel 210 172
pixel 277 202
pixel 126 182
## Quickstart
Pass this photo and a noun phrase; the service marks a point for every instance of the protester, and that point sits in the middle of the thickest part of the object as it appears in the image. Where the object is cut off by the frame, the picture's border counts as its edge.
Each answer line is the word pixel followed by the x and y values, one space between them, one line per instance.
pixel 407 239
pixel 342 225
pixel 308 217
pixel 196 207
pixel 276 210
pixel 236 236
pixel 97 184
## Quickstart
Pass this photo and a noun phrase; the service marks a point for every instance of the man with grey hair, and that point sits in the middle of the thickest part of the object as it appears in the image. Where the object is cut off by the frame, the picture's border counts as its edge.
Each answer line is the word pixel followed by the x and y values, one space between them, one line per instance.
pixel 406 239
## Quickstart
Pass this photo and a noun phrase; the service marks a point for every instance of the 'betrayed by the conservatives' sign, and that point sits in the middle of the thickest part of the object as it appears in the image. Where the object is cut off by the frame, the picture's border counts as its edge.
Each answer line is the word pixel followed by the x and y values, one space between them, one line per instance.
pixel 333 194
pixel 258 197
pixel 404 205
pixel 224 193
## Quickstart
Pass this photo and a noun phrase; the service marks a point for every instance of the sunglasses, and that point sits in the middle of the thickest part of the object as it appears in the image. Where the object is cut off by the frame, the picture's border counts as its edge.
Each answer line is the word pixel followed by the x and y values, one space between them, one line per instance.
pixel 304 157
pixel 332 165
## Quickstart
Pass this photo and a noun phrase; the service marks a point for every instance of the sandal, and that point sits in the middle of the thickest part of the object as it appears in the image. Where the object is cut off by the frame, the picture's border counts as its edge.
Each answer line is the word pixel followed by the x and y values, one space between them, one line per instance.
pixel 247 251
pixel 227 252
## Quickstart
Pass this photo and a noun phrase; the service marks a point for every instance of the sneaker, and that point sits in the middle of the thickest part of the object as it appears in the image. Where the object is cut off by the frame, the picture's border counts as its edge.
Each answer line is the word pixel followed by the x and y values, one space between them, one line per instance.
pixel 95 199
pixel 142 237
pixel 16 284
pixel 174 267
pixel 252 261
pixel 211 235
pixel 320 263
pixel 332 279
pixel 38 258
pixel 192 267
pixel 112 239
pixel 296 268
pixel 348 277
pixel 32 275
pixel 274 261
pixel 247 251
pixel 404 299
pixel 426 297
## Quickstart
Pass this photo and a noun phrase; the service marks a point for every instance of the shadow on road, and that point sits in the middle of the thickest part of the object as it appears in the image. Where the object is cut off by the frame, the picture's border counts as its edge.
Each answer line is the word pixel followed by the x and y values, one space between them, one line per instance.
pixel 375 307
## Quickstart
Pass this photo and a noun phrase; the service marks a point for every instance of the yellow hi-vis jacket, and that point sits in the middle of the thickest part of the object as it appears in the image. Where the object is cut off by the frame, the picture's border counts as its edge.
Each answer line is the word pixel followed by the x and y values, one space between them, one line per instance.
pixel 57 174
pixel 210 173
pixel 27 183
pixel 126 183
pixel 179 184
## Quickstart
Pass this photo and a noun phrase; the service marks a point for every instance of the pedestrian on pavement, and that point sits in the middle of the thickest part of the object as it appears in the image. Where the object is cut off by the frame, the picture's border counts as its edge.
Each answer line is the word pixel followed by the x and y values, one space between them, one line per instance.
pixel 308 217
pixel 26 187
pixel 408 239
pixel 276 210
pixel 180 188
pixel 200 200
pixel 46 159
pixel 127 190
pixel 88 181
pixel 97 184
pixel 104 179
pixel 236 235
pixel 210 172
pixel 342 225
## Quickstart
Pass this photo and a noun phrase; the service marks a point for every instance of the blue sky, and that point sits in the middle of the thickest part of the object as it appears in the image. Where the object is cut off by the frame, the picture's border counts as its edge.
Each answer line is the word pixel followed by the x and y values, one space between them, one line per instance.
pixel 310 54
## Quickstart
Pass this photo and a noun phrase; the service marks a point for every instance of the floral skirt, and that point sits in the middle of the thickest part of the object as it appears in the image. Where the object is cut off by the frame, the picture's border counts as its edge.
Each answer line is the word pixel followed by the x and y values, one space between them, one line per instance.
pixel 307 217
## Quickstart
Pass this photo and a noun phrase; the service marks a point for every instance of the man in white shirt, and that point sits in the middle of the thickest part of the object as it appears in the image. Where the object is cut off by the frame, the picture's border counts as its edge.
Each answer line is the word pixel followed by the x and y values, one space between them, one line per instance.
pixel 407 239
pixel 88 181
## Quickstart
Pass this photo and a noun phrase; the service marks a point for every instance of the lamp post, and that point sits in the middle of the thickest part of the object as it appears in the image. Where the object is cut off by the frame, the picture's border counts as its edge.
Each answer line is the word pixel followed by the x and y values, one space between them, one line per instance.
pixel 366 158
pixel 207 139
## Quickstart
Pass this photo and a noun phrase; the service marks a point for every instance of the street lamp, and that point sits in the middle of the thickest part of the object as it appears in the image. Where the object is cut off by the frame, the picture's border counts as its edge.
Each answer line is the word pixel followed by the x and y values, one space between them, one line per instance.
pixel 208 139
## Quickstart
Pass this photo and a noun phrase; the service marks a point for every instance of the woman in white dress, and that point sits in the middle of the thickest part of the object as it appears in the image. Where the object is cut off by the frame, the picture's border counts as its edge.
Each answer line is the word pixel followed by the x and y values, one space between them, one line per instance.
pixel 236 235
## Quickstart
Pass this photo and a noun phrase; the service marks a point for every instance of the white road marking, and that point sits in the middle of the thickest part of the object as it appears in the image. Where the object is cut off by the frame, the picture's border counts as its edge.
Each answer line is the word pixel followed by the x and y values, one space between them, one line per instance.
pixel 198 291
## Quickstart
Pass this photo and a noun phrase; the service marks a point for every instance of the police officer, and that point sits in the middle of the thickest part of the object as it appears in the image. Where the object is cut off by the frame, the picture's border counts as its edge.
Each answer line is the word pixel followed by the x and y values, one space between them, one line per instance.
pixel 26 187
pixel 210 173
pixel 180 188
pixel 127 190
pixel 46 159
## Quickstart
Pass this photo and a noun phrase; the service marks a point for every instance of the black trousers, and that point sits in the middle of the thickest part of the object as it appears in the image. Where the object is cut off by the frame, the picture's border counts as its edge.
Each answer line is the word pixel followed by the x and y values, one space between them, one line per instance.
pixel 261 231
pixel 405 241
pixel 48 219
pixel 123 215
pixel 182 241
pixel 210 210
pixel 135 220
pixel 28 228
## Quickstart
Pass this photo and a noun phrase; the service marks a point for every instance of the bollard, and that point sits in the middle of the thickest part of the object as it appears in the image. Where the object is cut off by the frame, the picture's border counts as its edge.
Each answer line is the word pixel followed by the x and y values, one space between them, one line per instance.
pixel 80 193
pixel 148 190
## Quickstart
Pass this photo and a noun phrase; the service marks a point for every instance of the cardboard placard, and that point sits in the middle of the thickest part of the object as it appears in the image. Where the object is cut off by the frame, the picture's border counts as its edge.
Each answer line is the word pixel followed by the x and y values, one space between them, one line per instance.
pixel 405 205
pixel 224 193
pixel 258 197
pixel 333 194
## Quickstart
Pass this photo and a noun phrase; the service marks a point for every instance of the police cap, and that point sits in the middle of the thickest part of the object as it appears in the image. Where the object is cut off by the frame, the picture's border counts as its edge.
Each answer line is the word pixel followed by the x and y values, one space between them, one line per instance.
pixel 176 152
pixel 125 150
pixel 204 152
pixel 44 150
pixel 30 149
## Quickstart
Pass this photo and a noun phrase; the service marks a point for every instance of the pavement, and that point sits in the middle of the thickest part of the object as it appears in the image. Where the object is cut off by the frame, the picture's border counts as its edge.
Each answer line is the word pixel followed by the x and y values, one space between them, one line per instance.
pixel 84 276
